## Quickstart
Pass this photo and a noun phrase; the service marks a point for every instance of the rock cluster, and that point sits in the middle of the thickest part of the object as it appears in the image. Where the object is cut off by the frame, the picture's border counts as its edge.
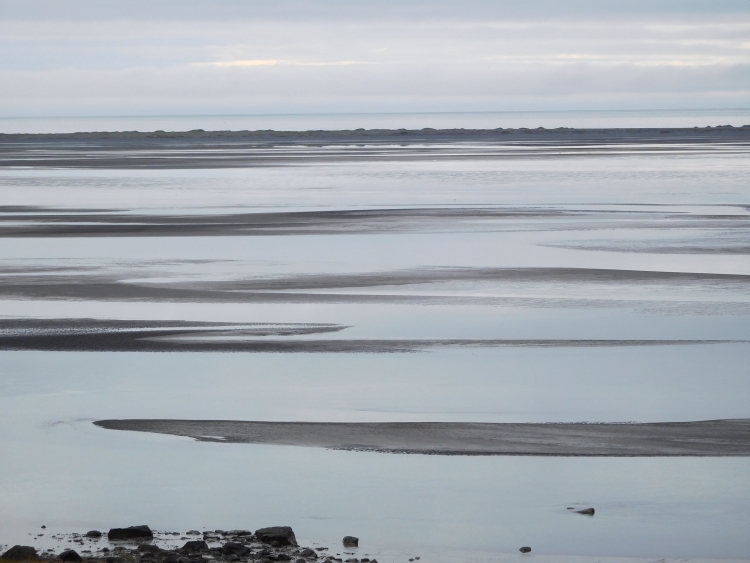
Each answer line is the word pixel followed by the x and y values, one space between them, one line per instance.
pixel 135 545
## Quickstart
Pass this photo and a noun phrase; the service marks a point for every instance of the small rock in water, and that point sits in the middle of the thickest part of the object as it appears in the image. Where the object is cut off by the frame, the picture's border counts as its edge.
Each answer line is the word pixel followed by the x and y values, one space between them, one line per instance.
pixel 20 552
pixel 195 545
pixel 192 533
pixel 71 556
pixel 233 548
pixel 44 527
pixel 307 552
pixel 281 534
pixel 105 550
pixel 93 534
pixel 149 548
pixel 350 541
pixel 525 549
pixel 586 511
pixel 131 533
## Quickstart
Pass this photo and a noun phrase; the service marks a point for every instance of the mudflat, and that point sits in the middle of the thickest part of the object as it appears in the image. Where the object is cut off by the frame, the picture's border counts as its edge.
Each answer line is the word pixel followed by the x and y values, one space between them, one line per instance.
pixel 728 437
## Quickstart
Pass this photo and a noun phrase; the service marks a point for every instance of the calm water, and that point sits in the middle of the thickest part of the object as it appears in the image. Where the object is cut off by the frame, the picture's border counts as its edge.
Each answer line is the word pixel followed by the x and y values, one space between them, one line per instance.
pixel 632 213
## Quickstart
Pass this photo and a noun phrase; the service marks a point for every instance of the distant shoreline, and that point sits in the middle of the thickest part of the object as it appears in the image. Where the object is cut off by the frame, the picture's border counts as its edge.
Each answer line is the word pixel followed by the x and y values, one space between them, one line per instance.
pixel 500 133
pixel 240 149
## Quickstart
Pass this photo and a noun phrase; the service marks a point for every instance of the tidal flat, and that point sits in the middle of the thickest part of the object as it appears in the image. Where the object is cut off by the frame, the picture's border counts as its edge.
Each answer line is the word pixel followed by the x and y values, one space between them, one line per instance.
pixel 589 280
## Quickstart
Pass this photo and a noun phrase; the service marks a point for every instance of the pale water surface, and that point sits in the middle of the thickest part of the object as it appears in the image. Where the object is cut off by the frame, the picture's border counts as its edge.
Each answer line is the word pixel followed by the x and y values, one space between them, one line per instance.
pixel 397 277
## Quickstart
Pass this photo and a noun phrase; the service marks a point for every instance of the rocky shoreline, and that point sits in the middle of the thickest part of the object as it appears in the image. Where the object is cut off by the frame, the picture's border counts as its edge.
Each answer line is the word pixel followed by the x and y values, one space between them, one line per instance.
pixel 140 544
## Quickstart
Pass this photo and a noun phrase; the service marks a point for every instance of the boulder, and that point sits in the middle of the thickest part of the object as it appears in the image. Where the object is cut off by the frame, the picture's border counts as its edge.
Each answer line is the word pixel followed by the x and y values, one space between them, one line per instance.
pixel 350 541
pixel 281 534
pixel 234 548
pixel 149 548
pixel 192 533
pixel 195 545
pixel 70 555
pixel 20 552
pixel 525 549
pixel 131 533
pixel 307 552
pixel 94 534
pixel 283 557
pixel 586 511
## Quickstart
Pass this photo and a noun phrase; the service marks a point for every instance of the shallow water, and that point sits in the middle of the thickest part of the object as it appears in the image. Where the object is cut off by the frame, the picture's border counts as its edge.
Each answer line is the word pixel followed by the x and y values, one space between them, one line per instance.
pixel 672 231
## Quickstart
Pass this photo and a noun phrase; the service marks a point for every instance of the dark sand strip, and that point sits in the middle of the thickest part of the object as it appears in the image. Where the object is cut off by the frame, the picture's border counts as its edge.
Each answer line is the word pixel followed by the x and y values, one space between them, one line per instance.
pixel 53 222
pixel 226 341
pixel 704 438
pixel 36 283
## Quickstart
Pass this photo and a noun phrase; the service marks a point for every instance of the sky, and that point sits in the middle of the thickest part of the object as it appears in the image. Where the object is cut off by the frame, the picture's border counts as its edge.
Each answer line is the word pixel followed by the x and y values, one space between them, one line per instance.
pixel 170 57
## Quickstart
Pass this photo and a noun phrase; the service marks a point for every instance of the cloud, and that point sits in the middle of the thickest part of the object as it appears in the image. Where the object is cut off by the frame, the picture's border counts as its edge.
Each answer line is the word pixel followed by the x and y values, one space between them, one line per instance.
pixel 373 56
pixel 271 62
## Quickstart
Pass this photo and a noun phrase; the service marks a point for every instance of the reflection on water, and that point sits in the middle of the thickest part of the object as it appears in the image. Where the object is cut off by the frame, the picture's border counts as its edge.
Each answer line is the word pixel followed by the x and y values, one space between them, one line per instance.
pixel 615 248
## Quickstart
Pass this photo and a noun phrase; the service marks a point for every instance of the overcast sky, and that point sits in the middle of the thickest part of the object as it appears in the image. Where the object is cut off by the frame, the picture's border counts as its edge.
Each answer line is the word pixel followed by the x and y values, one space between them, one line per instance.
pixel 102 57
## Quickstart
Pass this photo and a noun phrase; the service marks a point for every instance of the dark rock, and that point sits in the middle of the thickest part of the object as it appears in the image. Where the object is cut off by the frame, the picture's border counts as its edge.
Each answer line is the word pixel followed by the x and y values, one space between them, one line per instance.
pixel 283 557
pixel 20 552
pixel 149 548
pixel 131 533
pixel 70 555
pixel 234 548
pixel 307 552
pixel 282 534
pixel 350 541
pixel 105 550
pixel 192 533
pixel 275 543
pixel 195 546
pixel 94 534
pixel 241 533
pixel 300 561
pixel 525 550
pixel 112 560
pixel 586 511
pixel 171 558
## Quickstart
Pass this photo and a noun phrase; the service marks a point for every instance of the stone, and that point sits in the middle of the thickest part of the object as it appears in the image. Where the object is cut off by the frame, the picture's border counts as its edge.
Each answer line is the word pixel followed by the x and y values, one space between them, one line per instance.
pixel 586 511
pixel 195 546
pixel 131 533
pixel 234 548
pixel 350 541
pixel 105 550
pixel 281 534
pixel 283 557
pixel 70 555
pixel 300 561
pixel 192 533
pixel 93 534
pixel 525 549
pixel 20 552
pixel 171 558
pixel 307 552
pixel 149 548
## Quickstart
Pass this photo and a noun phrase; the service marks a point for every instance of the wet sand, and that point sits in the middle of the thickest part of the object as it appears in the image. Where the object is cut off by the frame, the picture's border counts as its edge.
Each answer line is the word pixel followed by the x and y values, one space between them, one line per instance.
pixel 702 438
pixel 97 335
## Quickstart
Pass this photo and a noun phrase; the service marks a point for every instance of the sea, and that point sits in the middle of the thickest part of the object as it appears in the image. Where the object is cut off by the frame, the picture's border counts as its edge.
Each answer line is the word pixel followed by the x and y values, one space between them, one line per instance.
pixel 671 228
